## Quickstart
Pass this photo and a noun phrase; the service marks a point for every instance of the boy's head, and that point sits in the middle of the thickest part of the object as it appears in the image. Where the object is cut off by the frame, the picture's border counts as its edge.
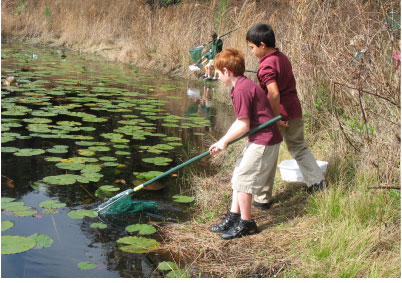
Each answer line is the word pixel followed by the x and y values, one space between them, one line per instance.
pixel 214 36
pixel 232 60
pixel 261 33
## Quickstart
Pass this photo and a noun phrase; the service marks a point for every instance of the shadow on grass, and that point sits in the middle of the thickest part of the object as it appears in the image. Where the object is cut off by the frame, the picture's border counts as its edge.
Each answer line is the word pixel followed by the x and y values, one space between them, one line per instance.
pixel 290 200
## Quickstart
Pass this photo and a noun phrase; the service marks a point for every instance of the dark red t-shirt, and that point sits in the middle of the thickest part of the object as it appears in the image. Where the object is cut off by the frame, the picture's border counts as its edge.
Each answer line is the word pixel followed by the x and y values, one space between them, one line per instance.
pixel 250 101
pixel 276 67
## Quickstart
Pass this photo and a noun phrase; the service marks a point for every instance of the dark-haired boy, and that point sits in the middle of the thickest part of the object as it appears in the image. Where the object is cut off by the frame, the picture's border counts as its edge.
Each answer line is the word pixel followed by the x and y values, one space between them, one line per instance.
pixel 255 169
pixel 276 77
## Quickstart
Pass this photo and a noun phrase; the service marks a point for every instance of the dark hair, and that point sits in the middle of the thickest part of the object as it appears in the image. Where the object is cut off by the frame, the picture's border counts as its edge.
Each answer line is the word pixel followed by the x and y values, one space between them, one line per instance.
pixel 231 59
pixel 261 33
pixel 214 36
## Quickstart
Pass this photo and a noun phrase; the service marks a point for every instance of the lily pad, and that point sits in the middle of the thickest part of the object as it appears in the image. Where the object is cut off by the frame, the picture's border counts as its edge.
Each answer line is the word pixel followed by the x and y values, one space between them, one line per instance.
pixel 81 213
pixel 70 166
pixel 29 152
pixel 99 225
pixel 158 160
pixel 86 265
pixel 52 204
pixel 109 188
pixel 167 266
pixel 66 179
pixel 147 175
pixel 179 273
pixel 16 244
pixel 142 229
pixel 183 199
pixel 132 244
pixel 42 240
pixel 7 224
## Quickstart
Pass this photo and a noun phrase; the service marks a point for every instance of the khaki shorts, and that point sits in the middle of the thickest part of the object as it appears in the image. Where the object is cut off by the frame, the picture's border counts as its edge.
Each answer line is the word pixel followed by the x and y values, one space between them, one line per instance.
pixel 255 168
pixel 210 63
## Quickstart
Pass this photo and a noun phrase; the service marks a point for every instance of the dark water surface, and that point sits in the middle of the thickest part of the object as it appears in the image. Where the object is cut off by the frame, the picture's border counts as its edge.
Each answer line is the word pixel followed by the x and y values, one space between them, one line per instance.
pixel 62 85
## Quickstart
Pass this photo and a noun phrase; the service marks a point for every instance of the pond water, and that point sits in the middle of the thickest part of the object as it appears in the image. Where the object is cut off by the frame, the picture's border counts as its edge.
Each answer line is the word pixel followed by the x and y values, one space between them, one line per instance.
pixel 77 130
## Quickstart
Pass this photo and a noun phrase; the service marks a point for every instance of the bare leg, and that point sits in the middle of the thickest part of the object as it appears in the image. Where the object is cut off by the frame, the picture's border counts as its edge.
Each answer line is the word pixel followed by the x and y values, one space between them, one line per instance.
pixel 235 203
pixel 244 201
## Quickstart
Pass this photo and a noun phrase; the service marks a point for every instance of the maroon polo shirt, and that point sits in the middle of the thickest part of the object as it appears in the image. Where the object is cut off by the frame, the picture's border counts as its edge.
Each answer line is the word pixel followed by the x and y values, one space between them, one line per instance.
pixel 250 101
pixel 276 67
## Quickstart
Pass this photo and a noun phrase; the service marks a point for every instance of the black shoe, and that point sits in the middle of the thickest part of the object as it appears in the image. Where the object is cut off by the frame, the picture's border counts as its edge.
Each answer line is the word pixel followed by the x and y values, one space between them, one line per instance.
pixel 262 206
pixel 244 228
pixel 231 219
pixel 317 186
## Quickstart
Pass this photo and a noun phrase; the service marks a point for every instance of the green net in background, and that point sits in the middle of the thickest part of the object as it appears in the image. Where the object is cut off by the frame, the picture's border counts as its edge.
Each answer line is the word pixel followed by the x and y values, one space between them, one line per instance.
pixel 196 53
pixel 394 21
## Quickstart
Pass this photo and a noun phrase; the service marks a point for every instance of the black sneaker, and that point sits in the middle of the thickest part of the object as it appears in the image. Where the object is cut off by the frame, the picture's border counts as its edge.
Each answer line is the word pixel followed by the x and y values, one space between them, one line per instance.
pixel 262 206
pixel 231 219
pixel 244 228
pixel 317 186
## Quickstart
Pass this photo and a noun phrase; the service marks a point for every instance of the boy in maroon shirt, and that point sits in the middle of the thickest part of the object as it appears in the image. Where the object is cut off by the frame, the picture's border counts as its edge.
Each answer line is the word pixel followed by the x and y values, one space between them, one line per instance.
pixel 255 169
pixel 276 77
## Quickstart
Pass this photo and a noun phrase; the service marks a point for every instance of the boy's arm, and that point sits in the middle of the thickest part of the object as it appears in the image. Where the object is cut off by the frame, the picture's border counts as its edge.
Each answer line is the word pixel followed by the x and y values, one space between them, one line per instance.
pixel 237 130
pixel 275 101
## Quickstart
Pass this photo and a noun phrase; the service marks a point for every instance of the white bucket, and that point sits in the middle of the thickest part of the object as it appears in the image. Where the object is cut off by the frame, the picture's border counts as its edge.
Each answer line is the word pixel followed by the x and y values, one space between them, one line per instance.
pixel 290 171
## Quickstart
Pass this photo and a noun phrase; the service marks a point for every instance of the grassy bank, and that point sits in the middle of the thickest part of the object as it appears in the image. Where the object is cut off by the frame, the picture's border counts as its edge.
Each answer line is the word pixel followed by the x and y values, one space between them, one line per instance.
pixel 341 52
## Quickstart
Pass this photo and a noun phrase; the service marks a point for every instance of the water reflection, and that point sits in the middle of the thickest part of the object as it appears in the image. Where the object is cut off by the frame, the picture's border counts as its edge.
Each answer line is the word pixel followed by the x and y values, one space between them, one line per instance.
pixel 87 86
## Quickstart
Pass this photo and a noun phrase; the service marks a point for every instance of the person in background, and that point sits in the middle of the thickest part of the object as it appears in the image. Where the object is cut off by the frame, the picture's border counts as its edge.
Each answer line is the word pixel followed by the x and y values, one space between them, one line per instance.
pixel 256 167
pixel 215 47
pixel 12 81
pixel 276 77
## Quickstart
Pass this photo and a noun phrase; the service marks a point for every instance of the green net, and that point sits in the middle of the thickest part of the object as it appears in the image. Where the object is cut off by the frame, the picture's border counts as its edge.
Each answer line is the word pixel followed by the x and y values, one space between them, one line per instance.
pixel 127 205
pixel 394 21
pixel 196 53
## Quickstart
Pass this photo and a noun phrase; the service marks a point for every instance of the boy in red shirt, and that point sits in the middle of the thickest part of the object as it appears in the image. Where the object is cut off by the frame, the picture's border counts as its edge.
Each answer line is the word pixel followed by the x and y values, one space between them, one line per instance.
pixel 255 169
pixel 276 77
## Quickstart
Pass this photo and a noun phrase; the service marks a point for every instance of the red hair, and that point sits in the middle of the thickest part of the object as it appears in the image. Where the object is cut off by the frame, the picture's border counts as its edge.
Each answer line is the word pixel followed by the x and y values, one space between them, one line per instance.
pixel 231 59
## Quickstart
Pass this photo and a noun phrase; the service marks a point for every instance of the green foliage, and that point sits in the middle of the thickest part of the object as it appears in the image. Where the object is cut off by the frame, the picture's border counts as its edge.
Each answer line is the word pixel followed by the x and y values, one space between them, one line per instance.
pixel 142 229
pixel 81 213
pixel 183 199
pixel 86 265
pixel 42 240
pixel 137 244
pixel 5 225
pixel 16 244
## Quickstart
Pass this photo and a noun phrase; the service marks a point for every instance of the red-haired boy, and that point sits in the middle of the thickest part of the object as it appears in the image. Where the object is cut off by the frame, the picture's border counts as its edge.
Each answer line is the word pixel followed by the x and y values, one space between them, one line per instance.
pixel 255 169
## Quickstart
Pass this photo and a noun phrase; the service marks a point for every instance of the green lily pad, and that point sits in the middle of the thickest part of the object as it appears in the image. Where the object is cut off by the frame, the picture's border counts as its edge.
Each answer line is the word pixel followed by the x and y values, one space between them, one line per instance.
pixel 7 224
pixel 137 244
pixel 23 213
pixel 86 265
pixel 158 160
pixel 147 175
pixel 53 159
pixel 9 149
pixel 70 166
pixel 99 225
pixel 167 266
pixel 81 213
pixel 29 152
pixel 108 158
pixel 52 204
pixel 66 179
pixel 109 188
pixel 50 211
pixel 179 273
pixel 183 199
pixel 57 150
pixel 42 240
pixel 86 152
pixel 16 244
pixel 142 229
